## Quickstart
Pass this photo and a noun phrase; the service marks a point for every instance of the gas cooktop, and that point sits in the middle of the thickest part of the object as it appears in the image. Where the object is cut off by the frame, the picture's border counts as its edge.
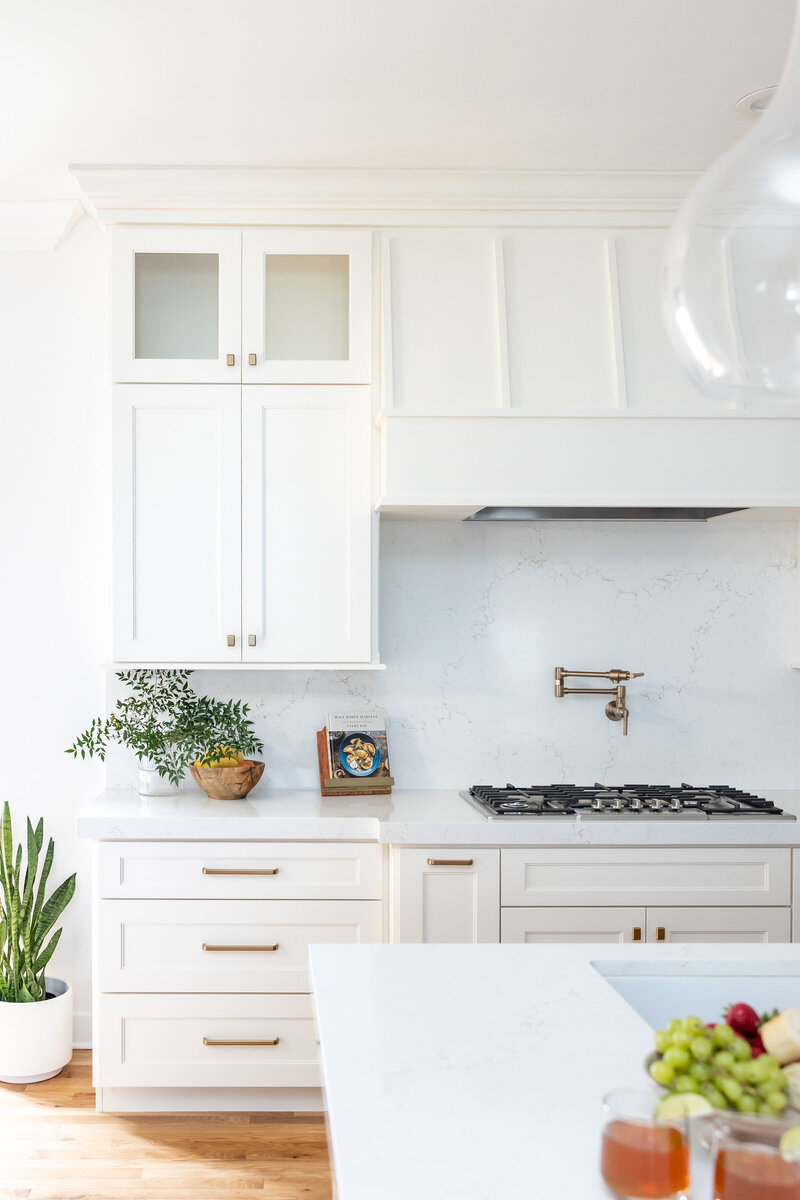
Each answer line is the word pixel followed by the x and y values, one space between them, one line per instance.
pixel 631 800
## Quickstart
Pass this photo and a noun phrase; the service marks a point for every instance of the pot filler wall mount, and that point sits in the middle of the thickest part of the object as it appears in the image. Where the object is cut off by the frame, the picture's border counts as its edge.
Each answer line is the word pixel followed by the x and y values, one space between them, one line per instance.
pixel 617 707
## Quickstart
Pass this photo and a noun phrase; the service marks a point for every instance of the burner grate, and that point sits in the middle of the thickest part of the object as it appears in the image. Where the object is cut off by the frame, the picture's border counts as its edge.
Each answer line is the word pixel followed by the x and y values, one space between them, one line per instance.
pixel 639 800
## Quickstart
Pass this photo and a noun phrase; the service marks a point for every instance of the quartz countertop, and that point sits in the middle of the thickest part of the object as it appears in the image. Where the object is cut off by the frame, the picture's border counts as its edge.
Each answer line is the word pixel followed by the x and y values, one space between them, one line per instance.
pixel 411 817
pixel 477 1072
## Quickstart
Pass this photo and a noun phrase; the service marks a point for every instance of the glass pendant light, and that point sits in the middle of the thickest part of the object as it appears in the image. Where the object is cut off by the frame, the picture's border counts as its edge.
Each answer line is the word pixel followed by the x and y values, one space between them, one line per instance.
pixel 732 271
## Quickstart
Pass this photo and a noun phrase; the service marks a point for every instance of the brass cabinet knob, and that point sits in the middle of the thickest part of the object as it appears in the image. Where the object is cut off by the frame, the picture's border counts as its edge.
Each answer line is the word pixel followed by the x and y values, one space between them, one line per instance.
pixel 661 933
pixel 252 359
pixel 636 933
pixel 231 639
pixel 230 359
pixel 251 639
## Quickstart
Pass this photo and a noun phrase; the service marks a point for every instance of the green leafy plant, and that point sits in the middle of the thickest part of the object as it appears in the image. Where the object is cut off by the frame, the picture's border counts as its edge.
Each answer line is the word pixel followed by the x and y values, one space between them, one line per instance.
pixel 164 721
pixel 26 917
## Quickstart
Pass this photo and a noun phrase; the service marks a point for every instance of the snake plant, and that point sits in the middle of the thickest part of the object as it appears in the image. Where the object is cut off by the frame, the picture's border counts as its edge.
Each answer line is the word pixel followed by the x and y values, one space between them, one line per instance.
pixel 26 917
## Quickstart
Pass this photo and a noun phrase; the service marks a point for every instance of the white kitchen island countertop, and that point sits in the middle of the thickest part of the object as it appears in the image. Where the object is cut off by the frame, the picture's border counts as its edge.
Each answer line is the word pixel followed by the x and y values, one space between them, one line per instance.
pixel 477 1072
pixel 433 817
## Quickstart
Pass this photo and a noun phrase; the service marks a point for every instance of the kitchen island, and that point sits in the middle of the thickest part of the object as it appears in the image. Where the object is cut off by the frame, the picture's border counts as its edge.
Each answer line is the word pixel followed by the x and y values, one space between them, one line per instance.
pixel 477 1072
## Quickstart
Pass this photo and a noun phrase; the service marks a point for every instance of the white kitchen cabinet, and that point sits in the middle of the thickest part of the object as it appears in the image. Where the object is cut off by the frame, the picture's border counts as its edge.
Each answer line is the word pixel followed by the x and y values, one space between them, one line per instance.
pixel 176 301
pixel 558 925
pixel 445 894
pixel 243 525
pixel 307 524
pixel 177 523
pixel 719 876
pixel 306 306
pixel 710 924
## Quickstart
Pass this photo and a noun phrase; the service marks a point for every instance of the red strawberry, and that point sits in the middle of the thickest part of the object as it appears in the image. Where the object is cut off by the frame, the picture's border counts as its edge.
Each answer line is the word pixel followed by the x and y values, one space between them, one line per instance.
pixel 744 1019
pixel 756 1046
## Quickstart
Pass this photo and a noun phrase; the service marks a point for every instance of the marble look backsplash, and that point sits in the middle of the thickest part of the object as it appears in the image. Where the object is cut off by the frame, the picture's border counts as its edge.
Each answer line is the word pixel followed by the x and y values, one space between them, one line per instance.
pixel 475 617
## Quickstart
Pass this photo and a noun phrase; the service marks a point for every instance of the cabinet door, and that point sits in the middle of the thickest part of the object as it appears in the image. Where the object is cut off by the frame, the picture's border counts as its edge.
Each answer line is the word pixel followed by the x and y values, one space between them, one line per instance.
pixel 556 925
pixel 719 924
pixel 445 894
pixel 306 524
pixel 176 296
pixel 177 523
pixel 307 306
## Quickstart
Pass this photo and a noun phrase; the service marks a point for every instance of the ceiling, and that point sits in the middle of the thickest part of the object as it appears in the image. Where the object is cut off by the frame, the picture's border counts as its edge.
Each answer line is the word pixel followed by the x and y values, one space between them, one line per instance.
pixel 556 85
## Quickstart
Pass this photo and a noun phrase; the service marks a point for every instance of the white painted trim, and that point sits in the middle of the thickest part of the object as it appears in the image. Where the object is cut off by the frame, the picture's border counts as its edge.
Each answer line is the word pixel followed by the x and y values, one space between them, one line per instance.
pixel 138 193
pixel 501 325
pixel 249 666
pixel 701 412
pixel 616 323
pixel 37 225
pixel 133 1100
pixel 82 1030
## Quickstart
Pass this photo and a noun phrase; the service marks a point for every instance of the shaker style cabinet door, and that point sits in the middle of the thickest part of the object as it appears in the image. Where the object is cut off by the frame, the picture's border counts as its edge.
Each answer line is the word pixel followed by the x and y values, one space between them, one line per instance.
pixel 306 525
pixel 177 523
pixel 445 894
pixel 306 306
pixel 176 297
pixel 556 925
pixel 728 924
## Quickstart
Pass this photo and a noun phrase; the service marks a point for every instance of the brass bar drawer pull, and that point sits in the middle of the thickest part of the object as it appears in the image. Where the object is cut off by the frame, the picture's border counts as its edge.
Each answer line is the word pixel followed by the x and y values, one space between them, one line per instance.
pixel 240 870
pixel 248 949
pixel 450 862
pixel 236 1042
pixel 661 933
pixel 636 934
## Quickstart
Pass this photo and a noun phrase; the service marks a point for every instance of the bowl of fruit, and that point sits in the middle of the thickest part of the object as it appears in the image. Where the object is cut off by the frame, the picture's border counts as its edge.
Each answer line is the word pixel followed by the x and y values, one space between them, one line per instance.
pixel 745 1062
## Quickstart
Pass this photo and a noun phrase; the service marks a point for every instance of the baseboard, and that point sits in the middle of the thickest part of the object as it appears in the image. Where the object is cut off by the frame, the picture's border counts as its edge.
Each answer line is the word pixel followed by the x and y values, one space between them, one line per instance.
pixel 82 1031
pixel 200 1099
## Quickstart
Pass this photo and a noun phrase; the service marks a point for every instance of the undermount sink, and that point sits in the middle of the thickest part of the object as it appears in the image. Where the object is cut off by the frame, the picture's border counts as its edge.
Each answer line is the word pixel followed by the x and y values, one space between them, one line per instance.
pixel 659 991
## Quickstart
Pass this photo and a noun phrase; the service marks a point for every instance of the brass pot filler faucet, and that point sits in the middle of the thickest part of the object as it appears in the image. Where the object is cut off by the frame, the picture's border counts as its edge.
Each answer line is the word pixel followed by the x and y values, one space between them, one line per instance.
pixel 616 709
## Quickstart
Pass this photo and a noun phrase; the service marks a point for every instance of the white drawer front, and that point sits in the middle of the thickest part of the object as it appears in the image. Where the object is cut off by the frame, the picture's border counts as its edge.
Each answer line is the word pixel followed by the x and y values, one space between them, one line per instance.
pixel 713 876
pixel 548 926
pixel 684 925
pixel 157 946
pixel 240 870
pixel 157 1041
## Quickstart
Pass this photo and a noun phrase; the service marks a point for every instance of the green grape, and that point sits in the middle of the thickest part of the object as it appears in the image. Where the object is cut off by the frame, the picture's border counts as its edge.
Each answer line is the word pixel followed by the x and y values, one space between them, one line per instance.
pixel 766 1109
pixel 674 1025
pixel 677 1057
pixel 758 1070
pixel 741 1048
pixel 723 1060
pixel 730 1088
pixel 693 1024
pixel 773 1083
pixel 662 1071
pixel 740 1071
pixel 699 1071
pixel 723 1035
pixel 747 1103
pixel 769 1060
pixel 701 1048
pixel 684 1083
pixel 682 1037
pixel 713 1095
pixel 663 1040
pixel 776 1101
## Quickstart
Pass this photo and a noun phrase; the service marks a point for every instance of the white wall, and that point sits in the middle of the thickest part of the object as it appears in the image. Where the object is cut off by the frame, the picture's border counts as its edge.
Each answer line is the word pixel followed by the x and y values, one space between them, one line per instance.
pixel 53 515
pixel 475 617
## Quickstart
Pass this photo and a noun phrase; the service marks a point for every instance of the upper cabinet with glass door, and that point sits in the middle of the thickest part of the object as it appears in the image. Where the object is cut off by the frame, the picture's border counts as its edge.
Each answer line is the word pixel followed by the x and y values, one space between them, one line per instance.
pixel 177 305
pixel 306 306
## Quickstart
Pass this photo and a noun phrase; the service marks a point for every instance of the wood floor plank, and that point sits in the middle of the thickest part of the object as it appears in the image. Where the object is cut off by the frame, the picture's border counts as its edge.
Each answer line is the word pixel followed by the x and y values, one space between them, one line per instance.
pixel 54 1146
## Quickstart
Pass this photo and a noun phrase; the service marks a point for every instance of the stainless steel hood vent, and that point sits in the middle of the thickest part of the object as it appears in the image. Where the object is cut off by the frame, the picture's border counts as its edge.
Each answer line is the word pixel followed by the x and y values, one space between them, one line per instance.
pixel 599 514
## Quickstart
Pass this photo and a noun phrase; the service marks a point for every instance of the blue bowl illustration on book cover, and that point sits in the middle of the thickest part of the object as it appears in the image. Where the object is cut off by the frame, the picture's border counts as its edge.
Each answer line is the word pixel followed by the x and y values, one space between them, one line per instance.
pixel 359 755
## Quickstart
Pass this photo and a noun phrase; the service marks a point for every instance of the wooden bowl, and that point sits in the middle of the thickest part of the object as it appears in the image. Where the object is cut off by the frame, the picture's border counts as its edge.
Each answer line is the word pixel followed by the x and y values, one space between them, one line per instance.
pixel 227 783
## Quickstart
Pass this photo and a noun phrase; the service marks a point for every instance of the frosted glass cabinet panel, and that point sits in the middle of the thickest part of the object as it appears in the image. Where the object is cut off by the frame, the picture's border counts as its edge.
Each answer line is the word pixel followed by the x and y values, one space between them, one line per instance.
pixel 306 306
pixel 177 305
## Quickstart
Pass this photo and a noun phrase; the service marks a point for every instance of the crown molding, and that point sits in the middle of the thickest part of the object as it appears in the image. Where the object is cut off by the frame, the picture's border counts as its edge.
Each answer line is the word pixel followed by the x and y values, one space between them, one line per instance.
pixel 118 194
pixel 36 224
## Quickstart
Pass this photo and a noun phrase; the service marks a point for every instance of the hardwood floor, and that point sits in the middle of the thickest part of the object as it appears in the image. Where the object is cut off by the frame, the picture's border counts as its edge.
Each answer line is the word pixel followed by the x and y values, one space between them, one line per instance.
pixel 54 1146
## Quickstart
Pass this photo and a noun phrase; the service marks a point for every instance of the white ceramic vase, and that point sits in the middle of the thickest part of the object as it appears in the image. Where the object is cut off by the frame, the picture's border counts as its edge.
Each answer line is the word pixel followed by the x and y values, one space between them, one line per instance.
pixel 36 1039
pixel 152 784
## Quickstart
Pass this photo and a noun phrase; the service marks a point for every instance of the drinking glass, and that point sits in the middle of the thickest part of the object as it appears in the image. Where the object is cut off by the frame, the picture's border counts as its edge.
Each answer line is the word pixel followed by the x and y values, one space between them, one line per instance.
pixel 747 1162
pixel 643 1158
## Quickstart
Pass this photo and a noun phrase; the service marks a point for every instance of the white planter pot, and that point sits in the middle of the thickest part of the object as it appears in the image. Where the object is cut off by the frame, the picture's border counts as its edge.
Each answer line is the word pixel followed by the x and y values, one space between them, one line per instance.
pixel 152 784
pixel 36 1039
